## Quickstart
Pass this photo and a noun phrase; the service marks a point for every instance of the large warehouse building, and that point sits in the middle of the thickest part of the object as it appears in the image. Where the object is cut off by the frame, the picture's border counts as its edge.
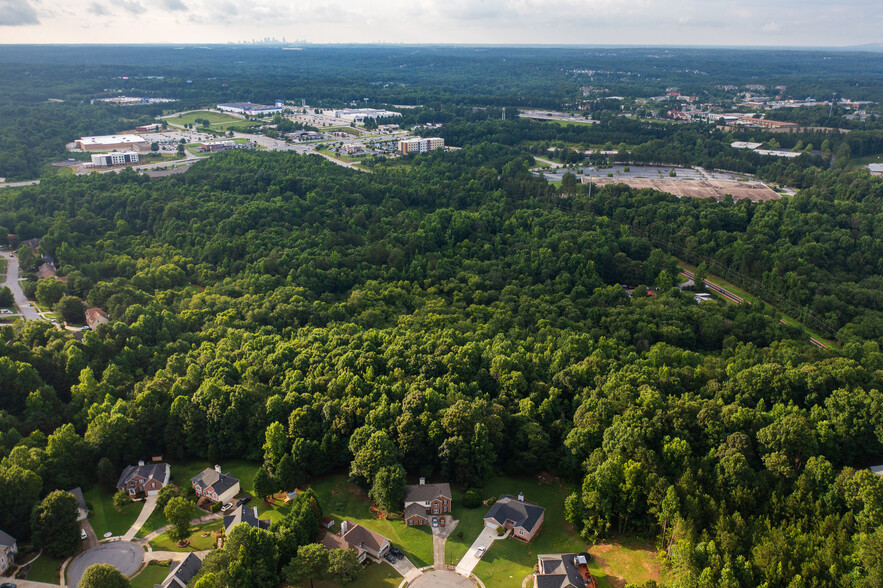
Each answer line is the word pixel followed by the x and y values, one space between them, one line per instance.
pixel 250 109
pixel 420 145
pixel 360 114
pixel 113 142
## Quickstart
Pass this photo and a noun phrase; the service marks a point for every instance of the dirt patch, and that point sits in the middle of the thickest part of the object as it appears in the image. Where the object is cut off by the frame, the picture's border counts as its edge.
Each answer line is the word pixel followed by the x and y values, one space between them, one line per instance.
pixel 717 189
pixel 546 478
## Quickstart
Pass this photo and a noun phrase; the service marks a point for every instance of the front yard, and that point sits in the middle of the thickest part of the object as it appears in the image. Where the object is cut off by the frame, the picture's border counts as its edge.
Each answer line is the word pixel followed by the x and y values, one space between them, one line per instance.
pixel 201 538
pixel 104 517
pixel 45 569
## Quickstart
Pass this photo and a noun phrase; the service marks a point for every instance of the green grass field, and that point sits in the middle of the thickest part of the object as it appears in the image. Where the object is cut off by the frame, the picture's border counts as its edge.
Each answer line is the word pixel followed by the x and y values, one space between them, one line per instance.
pixel 153 574
pixel 372 576
pixel 157 519
pixel 104 517
pixel 197 541
pixel 213 118
pixel 344 501
pixel 45 569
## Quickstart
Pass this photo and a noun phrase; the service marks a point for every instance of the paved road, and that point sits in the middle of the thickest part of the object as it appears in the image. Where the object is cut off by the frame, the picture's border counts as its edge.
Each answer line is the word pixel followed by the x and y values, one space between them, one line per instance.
pixel 146 511
pixel 124 556
pixel 28 312
pixel 441 579
pixel 19 184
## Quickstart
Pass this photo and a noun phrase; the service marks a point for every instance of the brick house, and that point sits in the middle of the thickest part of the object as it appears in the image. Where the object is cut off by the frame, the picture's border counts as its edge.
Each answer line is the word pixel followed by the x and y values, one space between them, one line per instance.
pixel 215 485
pixel 365 542
pixel 8 551
pixel 424 501
pixel 149 478
pixel 523 518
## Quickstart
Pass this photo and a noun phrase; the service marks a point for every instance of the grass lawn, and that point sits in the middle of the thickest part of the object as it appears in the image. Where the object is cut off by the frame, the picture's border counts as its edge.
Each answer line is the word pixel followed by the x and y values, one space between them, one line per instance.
pixel 212 117
pixel 344 501
pixel 374 575
pixel 157 519
pixel 153 574
pixel 197 541
pixel 627 559
pixel 45 569
pixel 104 517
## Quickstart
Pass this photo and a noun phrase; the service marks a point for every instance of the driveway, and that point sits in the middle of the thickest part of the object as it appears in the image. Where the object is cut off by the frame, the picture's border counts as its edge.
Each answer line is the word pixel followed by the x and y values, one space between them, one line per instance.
pixel 470 560
pixel 124 556
pixel 146 511
pixel 405 568
pixel 439 537
pixel 28 312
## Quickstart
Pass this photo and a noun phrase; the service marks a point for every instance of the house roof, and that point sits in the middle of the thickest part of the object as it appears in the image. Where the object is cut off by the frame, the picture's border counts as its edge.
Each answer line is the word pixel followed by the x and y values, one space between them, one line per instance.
pixel 243 514
pixel 356 537
pixel 558 571
pixel 150 471
pixel 509 508
pixel 95 313
pixel 181 574
pixel 219 482
pixel 424 492
pixel 413 509
pixel 81 500
pixel 6 539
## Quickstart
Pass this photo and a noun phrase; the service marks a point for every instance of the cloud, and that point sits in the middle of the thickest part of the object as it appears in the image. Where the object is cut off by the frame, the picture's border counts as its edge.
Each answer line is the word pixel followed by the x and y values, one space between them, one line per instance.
pixel 15 13
pixel 98 9
pixel 132 6
pixel 174 5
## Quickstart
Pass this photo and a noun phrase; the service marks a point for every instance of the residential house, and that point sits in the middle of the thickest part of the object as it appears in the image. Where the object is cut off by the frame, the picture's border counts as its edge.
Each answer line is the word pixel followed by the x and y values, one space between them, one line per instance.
pixel 8 551
pixel 181 573
pixel 95 316
pixel 327 522
pixel 149 478
pixel 215 485
pixel 243 514
pixel 567 570
pixel 523 518
pixel 877 470
pixel 82 509
pixel 365 542
pixel 422 501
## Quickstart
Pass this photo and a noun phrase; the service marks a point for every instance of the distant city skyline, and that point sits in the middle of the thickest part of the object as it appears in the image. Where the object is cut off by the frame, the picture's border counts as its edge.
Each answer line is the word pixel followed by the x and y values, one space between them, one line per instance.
pixel 644 22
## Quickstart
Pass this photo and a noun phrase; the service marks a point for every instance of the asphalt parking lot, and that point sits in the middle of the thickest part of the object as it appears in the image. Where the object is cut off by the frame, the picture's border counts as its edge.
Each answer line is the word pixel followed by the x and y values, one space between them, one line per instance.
pixel 124 556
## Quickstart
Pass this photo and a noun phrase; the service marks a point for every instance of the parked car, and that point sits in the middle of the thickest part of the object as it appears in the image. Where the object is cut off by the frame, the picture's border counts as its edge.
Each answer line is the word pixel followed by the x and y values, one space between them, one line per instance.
pixel 435 521
pixel 480 551
pixel 227 507
pixel 398 554
pixel 244 500
pixel 441 521
pixel 7 585
pixel 390 558
pixel 83 534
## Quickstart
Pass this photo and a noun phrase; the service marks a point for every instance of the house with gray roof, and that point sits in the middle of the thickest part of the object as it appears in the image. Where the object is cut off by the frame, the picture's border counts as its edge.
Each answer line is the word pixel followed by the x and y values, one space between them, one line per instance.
pixel 215 485
pixel 181 573
pixel 523 518
pixel 149 478
pixel 365 542
pixel 567 570
pixel 423 501
pixel 82 509
pixel 243 514
pixel 8 551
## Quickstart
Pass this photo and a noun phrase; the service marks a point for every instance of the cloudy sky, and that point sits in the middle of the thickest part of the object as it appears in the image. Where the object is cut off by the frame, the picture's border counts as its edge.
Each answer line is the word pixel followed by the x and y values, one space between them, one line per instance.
pixel 689 22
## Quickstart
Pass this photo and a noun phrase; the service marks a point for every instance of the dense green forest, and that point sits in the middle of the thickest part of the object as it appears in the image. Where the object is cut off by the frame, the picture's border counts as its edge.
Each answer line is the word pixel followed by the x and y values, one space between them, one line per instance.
pixel 458 317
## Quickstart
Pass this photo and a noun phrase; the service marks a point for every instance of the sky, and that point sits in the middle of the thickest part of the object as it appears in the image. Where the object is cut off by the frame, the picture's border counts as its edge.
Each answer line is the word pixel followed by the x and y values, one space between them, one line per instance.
pixel 588 22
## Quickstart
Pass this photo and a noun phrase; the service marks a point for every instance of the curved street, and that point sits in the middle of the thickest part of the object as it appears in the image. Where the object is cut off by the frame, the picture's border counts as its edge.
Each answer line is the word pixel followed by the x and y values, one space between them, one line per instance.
pixel 28 312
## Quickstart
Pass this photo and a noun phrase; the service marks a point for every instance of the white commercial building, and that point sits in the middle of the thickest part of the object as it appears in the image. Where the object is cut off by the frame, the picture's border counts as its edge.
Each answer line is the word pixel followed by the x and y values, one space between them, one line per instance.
pixel 360 114
pixel 250 109
pixel 112 142
pixel 420 145
pixel 109 159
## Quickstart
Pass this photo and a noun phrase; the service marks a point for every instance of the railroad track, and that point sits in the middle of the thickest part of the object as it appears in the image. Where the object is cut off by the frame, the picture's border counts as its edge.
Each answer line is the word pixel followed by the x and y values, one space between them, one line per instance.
pixel 738 300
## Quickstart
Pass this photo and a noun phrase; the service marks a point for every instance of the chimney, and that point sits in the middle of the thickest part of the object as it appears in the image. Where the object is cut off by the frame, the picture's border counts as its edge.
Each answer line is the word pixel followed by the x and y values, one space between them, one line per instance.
pixel 218 468
pixel 521 497
pixel 422 481
pixel 255 512
pixel 140 462
pixel 343 526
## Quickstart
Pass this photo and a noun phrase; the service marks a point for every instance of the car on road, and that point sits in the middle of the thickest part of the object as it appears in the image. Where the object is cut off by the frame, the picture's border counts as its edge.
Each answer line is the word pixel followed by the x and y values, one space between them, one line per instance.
pixel 480 551
pixel 435 521
pixel 227 507
pixel 83 534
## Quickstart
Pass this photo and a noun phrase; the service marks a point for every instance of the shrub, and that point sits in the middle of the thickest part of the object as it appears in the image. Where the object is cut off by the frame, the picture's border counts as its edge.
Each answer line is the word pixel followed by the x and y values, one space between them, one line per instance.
pixel 472 498
pixel 215 507
pixel 501 531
